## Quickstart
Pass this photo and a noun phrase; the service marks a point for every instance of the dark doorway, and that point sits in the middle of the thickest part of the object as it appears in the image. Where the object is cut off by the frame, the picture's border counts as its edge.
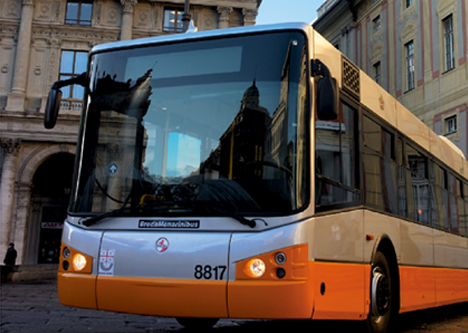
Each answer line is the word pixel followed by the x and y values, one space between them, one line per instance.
pixel 51 190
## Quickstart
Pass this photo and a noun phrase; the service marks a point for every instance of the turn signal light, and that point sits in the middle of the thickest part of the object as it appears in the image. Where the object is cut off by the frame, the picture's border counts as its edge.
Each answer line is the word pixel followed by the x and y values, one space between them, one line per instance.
pixel 74 261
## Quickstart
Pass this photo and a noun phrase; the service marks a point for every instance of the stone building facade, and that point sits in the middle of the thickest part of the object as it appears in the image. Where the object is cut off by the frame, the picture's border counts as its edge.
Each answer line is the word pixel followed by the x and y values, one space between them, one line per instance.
pixel 42 41
pixel 416 49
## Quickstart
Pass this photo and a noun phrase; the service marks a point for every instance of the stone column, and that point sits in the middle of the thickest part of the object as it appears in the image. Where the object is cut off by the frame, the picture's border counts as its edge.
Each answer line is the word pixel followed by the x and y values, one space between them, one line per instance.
pixel 23 200
pixel 7 191
pixel 223 20
pixel 249 16
pixel 127 19
pixel 17 95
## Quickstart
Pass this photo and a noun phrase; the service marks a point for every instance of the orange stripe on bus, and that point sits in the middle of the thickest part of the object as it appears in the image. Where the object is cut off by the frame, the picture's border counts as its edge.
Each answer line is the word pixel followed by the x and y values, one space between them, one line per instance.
pixel 265 299
pixel 342 291
pixel 423 287
pixel 162 296
pixel 77 289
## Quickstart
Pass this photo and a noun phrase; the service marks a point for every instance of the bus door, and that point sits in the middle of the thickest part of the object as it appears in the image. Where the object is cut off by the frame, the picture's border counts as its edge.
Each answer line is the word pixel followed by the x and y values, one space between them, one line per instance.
pixel 164 273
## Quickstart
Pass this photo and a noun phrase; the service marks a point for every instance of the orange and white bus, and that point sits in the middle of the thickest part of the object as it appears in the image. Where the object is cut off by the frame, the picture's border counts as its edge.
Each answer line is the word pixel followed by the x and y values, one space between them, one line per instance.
pixel 256 173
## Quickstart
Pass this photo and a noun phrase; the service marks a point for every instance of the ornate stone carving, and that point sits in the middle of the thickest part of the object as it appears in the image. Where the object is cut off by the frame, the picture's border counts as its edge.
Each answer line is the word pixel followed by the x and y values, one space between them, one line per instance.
pixel 112 16
pixel 12 9
pixel 44 10
pixel 249 16
pixel 10 146
pixel 57 11
pixel 224 13
pixel 128 5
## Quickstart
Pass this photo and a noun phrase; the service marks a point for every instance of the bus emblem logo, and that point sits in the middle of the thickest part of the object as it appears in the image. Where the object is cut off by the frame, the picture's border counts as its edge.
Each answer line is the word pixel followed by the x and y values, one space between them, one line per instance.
pixel 162 244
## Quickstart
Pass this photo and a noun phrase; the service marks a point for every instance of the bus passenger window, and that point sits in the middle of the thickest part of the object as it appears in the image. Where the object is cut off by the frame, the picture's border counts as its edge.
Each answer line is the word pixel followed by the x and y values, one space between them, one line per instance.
pixel 417 167
pixel 336 176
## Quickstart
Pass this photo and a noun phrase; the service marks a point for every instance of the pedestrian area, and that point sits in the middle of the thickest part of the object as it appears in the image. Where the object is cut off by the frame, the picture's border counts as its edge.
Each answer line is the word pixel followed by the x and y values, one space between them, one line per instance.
pixel 33 307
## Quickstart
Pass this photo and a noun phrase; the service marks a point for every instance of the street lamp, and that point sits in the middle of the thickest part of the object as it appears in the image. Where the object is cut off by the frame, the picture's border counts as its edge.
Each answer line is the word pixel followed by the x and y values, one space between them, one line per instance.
pixel 186 17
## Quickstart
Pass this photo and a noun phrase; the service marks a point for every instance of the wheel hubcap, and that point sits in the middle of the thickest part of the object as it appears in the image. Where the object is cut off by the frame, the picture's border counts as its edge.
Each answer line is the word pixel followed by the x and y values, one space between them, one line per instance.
pixel 380 293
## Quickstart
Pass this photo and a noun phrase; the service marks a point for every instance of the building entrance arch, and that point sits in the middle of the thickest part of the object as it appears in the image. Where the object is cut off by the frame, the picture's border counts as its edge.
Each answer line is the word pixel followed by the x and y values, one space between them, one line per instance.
pixel 51 188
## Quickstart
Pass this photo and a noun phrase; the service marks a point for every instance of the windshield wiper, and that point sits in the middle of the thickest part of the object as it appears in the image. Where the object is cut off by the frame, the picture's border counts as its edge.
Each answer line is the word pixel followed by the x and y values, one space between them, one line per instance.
pixel 251 223
pixel 234 215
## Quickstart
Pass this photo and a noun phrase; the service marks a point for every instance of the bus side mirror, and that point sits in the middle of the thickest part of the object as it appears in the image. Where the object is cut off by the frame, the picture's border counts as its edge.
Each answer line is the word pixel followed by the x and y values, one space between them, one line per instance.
pixel 52 106
pixel 327 92
pixel 55 95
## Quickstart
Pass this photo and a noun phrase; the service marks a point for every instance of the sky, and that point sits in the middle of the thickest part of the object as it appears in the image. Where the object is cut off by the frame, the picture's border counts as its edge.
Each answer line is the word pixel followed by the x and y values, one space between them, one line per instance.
pixel 277 11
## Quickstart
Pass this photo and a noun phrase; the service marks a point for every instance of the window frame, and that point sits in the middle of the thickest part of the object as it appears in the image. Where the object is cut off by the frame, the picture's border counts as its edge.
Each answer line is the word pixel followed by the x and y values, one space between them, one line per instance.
pixel 79 20
pixel 70 102
pixel 376 23
pixel 453 119
pixel 179 12
pixel 408 3
pixel 449 43
pixel 378 72
pixel 410 66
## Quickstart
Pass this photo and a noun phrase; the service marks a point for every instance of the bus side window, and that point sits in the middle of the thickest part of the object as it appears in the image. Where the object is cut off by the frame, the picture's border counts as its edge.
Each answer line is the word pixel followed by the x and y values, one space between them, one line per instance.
pixel 336 159
pixel 380 170
pixel 464 217
pixel 402 205
pixel 453 203
pixel 418 194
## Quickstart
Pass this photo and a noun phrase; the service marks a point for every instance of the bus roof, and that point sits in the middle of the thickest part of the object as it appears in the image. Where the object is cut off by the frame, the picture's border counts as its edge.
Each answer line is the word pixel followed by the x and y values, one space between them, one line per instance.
pixel 200 35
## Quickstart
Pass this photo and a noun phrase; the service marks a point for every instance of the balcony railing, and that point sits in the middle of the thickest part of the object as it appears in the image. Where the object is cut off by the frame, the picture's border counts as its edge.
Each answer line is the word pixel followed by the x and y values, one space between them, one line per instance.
pixel 71 104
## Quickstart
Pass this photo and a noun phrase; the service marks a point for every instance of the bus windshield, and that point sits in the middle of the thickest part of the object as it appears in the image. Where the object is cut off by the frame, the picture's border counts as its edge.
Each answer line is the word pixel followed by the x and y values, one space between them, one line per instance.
pixel 198 126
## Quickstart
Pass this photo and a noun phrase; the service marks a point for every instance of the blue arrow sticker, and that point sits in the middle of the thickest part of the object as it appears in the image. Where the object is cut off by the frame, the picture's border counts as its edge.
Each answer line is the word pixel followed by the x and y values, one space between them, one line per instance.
pixel 113 168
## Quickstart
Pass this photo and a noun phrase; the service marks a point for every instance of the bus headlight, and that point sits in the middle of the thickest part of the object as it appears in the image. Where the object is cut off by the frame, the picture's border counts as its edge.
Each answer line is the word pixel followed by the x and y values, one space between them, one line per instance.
pixel 255 268
pixel 79 262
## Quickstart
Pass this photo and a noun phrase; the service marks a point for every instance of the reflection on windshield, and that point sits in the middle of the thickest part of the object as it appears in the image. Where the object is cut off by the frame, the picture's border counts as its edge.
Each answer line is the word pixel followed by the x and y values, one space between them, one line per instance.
pixel 231 138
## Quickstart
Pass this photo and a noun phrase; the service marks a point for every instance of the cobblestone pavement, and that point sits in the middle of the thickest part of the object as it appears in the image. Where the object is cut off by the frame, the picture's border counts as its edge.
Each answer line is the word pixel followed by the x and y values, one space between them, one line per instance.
pixel 34 307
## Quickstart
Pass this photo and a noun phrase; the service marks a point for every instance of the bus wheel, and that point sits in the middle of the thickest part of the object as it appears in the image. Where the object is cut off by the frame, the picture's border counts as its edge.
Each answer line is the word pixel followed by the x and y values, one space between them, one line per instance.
pixel 381 295
pixel 197 323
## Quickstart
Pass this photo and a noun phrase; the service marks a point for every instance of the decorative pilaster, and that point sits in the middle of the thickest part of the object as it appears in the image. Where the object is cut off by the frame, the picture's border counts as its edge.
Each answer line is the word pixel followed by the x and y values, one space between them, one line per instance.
pixel 223 20
pixel 250 16
pixel 20 233
pixel 10 149
pixel 127 19
pixel 17 95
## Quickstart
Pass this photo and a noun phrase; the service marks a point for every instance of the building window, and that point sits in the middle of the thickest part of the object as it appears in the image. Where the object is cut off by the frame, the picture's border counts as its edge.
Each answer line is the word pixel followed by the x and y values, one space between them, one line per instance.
pixel 408 3
pixel 451 124
pixel 409 48
pixel 79 12
pixel 449 43
pixel 173 20
pixel 72 64
pixel 377 72
pixel 376 23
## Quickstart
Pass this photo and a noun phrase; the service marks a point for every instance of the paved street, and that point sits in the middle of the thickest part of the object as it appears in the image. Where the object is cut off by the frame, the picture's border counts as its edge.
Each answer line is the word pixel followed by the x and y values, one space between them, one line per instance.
pixel 34 307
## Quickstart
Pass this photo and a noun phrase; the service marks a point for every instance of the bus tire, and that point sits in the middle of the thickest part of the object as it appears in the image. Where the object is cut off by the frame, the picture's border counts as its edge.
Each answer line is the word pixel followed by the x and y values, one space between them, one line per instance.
pixel 197 323
pixel 381 295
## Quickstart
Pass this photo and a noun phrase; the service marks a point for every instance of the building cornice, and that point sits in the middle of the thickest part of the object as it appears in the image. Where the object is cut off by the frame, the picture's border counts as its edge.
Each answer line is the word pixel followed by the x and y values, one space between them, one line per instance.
pixel 29 126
